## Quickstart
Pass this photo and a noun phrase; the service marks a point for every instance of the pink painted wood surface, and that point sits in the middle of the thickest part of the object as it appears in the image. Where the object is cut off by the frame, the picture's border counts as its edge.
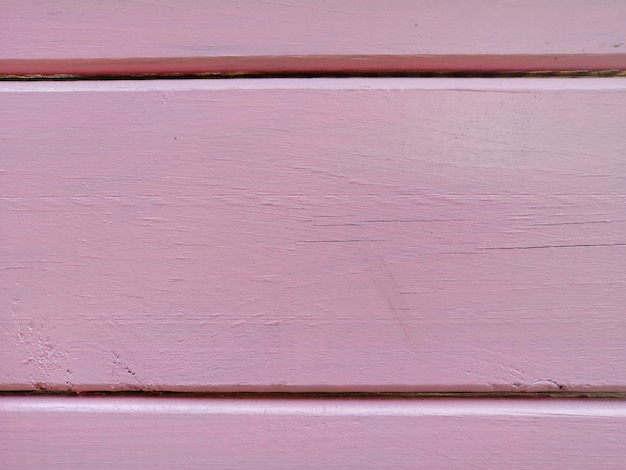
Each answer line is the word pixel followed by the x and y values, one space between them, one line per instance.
pixel 171 433
pixel 356 234
pixel 190 36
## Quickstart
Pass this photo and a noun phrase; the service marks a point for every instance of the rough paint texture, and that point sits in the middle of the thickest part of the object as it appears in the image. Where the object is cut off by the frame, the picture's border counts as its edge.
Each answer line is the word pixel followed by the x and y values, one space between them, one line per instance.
pixel 319 235
pixel 169 433
pixel 56 36
pixel 358 234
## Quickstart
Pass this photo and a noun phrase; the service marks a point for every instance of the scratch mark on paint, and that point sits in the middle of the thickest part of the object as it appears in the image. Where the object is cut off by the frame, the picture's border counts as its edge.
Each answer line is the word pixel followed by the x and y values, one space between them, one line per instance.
pixel 340 241
pixel 118 361
pixel 68 379
pixel 578 223
pixel 121 370
pixel 547 385
pixel 409 220
pixel 387 287
pixel 538 247
pixel 337 225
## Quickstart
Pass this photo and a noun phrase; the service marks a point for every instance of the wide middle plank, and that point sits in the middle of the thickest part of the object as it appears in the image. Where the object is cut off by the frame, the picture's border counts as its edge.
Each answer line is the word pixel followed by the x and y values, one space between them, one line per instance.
pixel 357 234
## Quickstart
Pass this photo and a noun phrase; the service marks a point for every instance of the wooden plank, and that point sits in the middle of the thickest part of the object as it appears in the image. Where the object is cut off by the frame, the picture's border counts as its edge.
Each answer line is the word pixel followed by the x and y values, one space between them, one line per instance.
pixel 356 234
pixel 259 36
pixel 61 432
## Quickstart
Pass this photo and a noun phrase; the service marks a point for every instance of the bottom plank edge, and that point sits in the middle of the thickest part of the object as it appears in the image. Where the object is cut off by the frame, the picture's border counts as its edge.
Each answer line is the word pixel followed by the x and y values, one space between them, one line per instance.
pixel 237 66
pixel 330 395
pixel 538 387
pixel 199 432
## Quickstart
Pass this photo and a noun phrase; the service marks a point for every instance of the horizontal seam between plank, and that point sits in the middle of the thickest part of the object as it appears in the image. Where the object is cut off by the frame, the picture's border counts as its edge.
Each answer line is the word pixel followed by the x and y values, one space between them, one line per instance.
pixel 243 75
pixel 485 65
pixel 329 395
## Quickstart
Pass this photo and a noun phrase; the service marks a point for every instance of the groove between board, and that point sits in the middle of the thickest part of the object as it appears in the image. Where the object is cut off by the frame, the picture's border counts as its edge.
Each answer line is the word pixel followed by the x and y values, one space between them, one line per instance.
pixel 560 395
pixel 316 66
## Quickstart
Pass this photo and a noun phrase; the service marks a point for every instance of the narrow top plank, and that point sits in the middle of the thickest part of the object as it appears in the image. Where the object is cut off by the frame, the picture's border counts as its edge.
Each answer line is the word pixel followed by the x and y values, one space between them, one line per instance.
pixel 256 36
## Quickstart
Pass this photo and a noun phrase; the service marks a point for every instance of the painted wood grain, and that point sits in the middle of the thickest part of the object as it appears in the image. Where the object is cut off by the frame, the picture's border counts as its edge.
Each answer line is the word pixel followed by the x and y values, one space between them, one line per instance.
pixel 149 433
pixel 355 234
pixel 259 36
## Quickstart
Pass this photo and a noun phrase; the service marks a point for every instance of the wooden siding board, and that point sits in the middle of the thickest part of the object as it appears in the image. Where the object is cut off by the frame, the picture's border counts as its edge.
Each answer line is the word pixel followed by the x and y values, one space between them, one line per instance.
pixel 106 432
pixel 356 234
pixel 89 37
